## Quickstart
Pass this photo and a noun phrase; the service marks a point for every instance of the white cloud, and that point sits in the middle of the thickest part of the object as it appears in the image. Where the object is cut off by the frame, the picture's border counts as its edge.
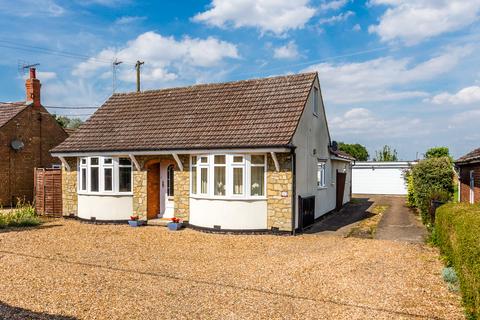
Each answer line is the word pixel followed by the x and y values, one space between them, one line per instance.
pixel 338 18
pixel 333 5
pixel 363 121
pixel 288 51
pixel 357 27
pixel 412 21
pixel 129 19
pixel 277 16
pixel 467 117
pixel 382 79
pixel 165 58
pixel 466 95
pixel 46 75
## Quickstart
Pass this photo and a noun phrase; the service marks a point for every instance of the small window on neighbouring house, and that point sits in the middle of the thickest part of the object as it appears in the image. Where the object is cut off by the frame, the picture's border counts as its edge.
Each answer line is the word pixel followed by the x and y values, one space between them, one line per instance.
pixel 321 174
pixel 315 100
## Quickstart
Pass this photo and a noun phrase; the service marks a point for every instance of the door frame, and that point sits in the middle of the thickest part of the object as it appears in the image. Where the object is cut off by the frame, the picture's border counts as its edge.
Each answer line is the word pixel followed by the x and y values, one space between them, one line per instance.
pixel 472 186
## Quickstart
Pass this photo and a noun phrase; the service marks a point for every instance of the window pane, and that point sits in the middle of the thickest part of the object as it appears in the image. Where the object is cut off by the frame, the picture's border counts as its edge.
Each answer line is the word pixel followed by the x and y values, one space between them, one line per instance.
pixel 204 159
pixel 194 180
pixel 94 161
pixel 219 181
pixel 84 161
pixel 219 159
pixel 125 179
pixel 84 179
pixel 170 179
pixel 203 180
pixel 237 180
pixel 258 159
pixel 94 179
pixel 258 179
pixel 237 159
pixel 107 161
pixel 124 162
pixel 108 179
pixel 194 160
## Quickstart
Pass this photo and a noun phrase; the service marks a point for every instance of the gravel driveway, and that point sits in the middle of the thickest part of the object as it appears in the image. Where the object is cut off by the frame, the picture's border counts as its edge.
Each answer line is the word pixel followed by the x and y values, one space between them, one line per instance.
pixel 69 270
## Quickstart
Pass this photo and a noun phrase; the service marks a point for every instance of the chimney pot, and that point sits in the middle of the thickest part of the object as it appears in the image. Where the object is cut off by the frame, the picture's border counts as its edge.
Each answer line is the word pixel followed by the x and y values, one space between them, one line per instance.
pixel 33 73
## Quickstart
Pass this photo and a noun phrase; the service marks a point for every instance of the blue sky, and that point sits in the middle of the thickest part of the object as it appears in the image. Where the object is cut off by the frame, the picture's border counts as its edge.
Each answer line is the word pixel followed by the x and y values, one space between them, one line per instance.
pixel 399 72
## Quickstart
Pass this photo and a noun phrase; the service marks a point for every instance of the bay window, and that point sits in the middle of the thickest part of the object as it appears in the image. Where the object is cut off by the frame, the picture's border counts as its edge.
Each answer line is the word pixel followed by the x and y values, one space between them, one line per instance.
pixel 228 175
pixel 105 175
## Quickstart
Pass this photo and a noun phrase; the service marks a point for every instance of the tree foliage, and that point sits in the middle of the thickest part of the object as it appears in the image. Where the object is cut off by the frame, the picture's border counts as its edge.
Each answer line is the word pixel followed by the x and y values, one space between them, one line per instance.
pixel 356 150
pixel 437 152
pixel 387 153
pixel 68 123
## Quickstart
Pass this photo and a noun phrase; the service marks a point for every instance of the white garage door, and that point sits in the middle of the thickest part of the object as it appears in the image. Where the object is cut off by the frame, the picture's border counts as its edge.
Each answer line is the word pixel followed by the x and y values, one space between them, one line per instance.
pixel 379 178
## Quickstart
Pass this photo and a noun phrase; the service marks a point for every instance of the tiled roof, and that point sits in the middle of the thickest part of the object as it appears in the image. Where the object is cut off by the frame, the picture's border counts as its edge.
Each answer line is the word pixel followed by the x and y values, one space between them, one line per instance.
pixel 249 113
pixel 9 110
pixel 471 156
pixel 342 154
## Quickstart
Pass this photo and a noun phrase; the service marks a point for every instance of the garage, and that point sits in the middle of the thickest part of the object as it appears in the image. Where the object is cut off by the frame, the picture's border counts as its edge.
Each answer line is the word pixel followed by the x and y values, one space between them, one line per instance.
pixel 380 177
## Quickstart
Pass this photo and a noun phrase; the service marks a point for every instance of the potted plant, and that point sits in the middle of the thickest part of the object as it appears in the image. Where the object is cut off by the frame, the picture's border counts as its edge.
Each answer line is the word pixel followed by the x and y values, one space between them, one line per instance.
pixel 134 221
pixel 175 225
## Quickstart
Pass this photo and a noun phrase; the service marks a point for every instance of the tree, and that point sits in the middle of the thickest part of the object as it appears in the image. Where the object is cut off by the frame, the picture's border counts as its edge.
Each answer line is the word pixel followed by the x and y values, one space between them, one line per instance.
pixel 356 150
pixel 68 123
pixel 386 154
pixel 437 152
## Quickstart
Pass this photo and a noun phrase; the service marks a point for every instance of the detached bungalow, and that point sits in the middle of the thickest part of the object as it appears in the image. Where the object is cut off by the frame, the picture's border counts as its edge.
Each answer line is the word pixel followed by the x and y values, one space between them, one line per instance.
pixel 248 155
pixel 469 176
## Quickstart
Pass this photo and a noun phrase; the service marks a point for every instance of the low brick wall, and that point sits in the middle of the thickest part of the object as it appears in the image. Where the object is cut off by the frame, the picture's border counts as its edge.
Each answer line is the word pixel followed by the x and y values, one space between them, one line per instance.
pixel 279 208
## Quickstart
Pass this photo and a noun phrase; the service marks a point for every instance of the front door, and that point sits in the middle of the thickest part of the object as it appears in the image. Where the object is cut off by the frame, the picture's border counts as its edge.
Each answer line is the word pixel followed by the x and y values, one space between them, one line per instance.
pixel 472 186
pixel 166 189
pixel 153 190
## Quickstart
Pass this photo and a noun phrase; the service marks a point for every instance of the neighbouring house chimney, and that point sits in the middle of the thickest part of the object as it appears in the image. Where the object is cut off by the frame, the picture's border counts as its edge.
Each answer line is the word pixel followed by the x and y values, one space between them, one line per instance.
pixel 33 89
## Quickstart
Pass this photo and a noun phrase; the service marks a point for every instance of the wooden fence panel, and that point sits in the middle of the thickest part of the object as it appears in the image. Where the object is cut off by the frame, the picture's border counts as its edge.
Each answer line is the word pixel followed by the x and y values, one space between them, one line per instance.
pixel 48 191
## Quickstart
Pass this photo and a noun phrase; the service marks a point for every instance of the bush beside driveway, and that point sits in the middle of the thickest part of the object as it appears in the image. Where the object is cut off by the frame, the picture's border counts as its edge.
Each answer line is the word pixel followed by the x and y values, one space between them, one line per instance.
pixel 117 272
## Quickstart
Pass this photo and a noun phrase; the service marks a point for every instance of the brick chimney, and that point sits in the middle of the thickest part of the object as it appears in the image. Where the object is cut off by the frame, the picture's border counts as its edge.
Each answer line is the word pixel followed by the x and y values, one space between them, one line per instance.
pixel 33 89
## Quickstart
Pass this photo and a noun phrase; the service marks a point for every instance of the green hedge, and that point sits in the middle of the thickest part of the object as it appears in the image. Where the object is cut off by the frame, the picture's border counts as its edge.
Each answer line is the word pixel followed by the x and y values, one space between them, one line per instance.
pixel 457 233
pixel 430 179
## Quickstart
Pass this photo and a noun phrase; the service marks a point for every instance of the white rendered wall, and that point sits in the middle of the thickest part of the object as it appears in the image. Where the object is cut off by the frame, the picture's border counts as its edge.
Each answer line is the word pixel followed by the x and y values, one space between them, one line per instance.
pixel 229 214
pixel 105 207
pixel 312 134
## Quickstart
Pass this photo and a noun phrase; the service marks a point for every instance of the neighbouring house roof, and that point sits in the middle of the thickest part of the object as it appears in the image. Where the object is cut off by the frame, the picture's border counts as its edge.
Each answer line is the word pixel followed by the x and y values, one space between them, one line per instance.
pixel 250 113
pixel 342 154
pixel 8 111
pixel 469 157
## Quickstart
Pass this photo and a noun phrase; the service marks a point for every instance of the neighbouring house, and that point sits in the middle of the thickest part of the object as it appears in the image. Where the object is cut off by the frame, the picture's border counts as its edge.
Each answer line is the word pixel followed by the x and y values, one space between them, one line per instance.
pixel 246 155
pixel 372 177
pixel 469 176
pixel 27 134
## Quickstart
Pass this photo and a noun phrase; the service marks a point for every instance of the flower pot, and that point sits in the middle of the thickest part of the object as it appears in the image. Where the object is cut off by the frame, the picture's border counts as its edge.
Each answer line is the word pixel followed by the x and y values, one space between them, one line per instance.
pixel 135 223
pixel 173 226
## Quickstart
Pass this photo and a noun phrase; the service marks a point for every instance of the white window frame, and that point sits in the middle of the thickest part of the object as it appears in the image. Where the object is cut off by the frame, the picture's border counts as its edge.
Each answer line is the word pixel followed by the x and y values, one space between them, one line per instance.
pixel 321 174
pixel 84 164
pixel 245 165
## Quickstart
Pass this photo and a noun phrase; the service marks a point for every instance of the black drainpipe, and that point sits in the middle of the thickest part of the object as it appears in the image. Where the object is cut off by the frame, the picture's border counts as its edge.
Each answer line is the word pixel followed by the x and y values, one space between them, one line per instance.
pixel 294 183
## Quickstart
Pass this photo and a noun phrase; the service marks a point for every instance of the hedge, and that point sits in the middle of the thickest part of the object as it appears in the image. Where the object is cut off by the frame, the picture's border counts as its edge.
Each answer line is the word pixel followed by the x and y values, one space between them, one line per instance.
pixel 457 233
pixel 430 179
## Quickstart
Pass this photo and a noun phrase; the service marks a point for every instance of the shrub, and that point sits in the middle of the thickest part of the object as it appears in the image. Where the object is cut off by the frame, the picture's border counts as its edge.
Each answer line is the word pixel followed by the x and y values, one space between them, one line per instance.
pixel 457 234
pixel 22 216
pixel 432 180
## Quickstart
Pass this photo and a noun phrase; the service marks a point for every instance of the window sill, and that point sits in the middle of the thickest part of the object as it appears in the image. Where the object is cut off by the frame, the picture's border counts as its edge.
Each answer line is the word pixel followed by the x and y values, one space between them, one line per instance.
pixel 201 197
pixel 322 188
pixel 113 194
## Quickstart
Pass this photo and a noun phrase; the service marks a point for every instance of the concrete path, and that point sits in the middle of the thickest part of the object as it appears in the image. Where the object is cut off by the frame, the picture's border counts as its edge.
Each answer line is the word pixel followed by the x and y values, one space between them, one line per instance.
pixel 398 223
